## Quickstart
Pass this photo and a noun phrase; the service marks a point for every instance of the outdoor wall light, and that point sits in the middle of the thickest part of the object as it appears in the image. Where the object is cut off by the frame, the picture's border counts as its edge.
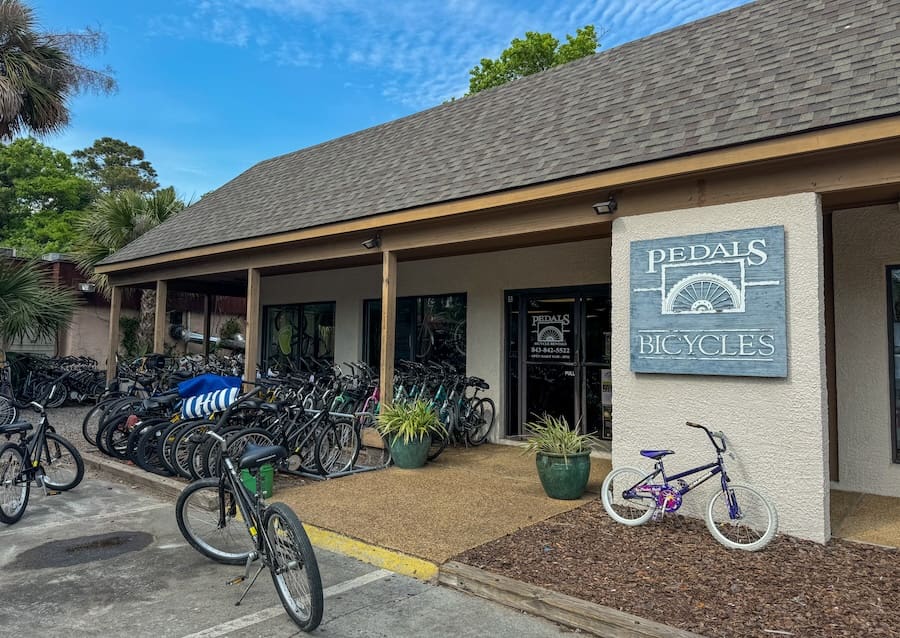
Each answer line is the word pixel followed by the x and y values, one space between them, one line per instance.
pixel 375 242
pixel 607 207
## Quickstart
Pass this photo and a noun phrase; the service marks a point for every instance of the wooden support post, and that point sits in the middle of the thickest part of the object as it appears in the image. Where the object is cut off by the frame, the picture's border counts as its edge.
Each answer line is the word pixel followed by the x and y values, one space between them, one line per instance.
pixel 388 325
pixel 115 309
pixel 251 338
pixel 161 320
pixel 207 324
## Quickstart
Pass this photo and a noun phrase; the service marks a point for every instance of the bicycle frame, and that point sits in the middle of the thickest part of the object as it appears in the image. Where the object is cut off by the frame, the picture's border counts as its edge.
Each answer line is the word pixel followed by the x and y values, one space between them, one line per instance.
pixel 668 497
pixel 251 512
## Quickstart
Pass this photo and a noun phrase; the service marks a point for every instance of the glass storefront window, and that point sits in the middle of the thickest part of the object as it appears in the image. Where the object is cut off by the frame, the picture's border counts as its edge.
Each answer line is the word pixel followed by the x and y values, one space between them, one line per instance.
pixel 429 328
pixel 893 280
pixel 298 336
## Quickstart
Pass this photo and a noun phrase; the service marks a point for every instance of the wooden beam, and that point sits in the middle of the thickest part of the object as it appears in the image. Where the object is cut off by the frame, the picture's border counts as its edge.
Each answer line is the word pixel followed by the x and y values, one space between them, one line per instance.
pixel 388 326
pixel 252 336
pixel 115 309
pixel 207 324
pixel 160 320
pixel 778 148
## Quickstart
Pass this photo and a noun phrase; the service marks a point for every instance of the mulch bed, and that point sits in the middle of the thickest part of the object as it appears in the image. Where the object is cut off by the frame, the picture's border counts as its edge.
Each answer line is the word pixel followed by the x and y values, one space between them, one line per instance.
pixel 674 572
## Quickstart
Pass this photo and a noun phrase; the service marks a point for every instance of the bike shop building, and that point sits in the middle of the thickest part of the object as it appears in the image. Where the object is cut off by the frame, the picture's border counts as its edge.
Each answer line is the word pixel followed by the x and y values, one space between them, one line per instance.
pixel 701 225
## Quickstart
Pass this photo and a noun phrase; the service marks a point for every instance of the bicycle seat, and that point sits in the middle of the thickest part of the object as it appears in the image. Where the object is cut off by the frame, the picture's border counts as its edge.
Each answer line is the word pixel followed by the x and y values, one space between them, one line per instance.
pixel 15 428
pixel 255 456
pixel 656 454
pixel 161 401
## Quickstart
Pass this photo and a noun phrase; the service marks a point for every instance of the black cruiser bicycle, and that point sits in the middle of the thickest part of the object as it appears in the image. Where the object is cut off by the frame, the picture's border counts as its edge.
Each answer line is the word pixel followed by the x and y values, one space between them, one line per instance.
pixel 224 521
pixel 42 457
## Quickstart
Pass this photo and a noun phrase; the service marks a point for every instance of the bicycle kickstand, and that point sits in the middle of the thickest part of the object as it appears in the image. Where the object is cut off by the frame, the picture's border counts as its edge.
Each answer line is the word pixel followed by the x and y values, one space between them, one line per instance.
pixel 250 558
pixel 43 485
pixel 252 580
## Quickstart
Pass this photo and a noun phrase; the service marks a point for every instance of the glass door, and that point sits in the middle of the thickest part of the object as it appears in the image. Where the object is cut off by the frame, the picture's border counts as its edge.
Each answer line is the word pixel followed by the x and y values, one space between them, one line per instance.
pixel 558 356
pixel 550 357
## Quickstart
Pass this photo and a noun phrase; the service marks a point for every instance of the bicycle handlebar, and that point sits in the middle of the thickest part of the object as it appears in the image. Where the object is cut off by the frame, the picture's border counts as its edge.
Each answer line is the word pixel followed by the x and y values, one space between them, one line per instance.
pixel 712 436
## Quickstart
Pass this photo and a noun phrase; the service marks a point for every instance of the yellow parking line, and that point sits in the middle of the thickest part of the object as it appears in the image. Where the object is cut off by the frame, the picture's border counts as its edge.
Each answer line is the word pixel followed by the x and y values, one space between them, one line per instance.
pixel 379 556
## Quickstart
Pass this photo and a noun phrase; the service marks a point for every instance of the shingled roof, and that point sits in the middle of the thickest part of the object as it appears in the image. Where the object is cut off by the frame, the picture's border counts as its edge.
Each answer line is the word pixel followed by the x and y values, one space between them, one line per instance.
pixel 767 69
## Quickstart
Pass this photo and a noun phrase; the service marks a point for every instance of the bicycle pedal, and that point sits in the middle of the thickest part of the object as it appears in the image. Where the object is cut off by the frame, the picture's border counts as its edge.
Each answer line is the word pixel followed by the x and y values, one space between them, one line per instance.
pixel 236 581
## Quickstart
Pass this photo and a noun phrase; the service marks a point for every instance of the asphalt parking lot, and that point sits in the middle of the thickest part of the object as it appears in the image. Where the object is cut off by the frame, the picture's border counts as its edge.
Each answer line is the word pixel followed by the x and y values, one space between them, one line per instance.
pixel 107 559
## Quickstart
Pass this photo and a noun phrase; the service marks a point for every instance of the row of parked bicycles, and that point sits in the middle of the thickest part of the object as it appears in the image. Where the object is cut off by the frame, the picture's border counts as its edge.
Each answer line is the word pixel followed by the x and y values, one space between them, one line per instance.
pixel 28 377
pixel 323 419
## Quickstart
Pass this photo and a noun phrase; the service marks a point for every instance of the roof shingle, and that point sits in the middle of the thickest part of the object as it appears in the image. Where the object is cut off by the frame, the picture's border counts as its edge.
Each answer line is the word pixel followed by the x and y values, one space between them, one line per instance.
pixel 771 68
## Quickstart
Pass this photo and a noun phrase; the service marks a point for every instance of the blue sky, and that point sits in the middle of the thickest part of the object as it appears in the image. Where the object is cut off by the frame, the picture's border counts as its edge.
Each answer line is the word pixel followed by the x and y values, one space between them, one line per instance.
pixel 210 87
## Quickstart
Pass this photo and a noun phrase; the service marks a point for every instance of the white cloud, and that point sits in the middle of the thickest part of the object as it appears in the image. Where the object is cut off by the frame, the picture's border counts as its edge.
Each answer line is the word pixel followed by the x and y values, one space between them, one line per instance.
pixel 423 49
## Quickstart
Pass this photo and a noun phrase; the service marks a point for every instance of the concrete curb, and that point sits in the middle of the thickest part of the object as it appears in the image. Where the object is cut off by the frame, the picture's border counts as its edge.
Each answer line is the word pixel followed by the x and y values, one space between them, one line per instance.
pixel 566 610
pixel 162 485
pixel 389 559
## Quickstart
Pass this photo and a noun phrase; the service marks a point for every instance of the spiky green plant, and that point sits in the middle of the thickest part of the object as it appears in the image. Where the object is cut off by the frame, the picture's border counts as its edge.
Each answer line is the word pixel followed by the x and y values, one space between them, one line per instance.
pixel 408 421
pixel 31 305
pixel 552 435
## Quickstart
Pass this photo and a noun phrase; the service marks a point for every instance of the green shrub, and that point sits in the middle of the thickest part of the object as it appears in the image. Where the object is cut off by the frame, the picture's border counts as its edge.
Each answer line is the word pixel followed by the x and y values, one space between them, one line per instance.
pixel 409 421
pixel 552 435
pixel 128 327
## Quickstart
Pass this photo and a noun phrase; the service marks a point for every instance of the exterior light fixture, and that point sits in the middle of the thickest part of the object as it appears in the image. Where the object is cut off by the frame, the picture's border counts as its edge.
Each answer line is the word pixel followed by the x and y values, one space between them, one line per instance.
pixel 606 208
pixel 375 242
pixel 87 286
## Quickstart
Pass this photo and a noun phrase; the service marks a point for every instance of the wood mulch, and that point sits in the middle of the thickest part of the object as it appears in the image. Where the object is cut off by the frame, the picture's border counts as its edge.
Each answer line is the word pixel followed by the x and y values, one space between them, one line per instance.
pixel 674 572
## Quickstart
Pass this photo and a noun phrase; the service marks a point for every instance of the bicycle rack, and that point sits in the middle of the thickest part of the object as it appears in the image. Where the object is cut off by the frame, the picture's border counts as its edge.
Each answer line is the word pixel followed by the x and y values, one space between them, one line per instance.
pixel 355 470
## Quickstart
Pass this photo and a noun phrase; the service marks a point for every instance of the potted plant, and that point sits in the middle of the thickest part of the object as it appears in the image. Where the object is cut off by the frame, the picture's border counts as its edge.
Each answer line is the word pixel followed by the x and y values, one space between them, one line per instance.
pixel 408 428
pixel 563 456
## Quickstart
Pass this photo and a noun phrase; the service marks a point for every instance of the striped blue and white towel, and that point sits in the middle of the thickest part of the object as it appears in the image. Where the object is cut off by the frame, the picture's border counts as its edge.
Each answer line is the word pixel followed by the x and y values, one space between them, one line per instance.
pixel 203 405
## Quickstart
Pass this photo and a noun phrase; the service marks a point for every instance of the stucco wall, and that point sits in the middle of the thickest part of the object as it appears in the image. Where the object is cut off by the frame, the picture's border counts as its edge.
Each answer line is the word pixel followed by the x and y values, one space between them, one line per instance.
pixel 88 335
pixel 865 241
pixel 776 426
pixel 483 277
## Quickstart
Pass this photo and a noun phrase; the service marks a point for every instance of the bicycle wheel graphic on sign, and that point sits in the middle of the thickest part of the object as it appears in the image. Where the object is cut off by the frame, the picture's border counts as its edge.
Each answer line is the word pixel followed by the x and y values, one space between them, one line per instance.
pixel 703 292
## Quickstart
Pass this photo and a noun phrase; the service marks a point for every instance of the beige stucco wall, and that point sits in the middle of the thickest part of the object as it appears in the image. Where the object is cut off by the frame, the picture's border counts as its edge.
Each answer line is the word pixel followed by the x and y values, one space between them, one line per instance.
pixel 865 242
pixel 483 277
pixel 88 335
pixel 776 426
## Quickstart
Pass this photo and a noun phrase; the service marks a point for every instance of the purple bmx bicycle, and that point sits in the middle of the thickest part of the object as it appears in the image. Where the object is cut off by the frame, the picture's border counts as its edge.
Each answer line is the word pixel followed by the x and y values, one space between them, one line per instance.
pixel 738 516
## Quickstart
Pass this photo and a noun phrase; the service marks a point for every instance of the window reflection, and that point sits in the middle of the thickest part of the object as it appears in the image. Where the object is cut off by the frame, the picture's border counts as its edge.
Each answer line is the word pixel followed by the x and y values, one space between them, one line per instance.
pixel 428 328
pixel 298 337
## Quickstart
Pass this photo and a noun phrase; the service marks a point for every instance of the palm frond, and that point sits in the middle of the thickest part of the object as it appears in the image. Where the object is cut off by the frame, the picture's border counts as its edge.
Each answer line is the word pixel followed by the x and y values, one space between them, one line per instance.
pixel 40 71
pixel 116 219
pixel 31 306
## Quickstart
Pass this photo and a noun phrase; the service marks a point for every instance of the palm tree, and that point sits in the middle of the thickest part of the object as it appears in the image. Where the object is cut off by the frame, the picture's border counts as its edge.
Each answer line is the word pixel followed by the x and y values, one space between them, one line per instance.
pixel 40 71
pixel 31 305
pixel 114 220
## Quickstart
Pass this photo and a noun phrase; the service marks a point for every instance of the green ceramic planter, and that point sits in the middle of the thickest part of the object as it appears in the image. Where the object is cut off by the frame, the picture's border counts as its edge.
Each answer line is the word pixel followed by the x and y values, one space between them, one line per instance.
pixel 410 455
pixel 564 477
